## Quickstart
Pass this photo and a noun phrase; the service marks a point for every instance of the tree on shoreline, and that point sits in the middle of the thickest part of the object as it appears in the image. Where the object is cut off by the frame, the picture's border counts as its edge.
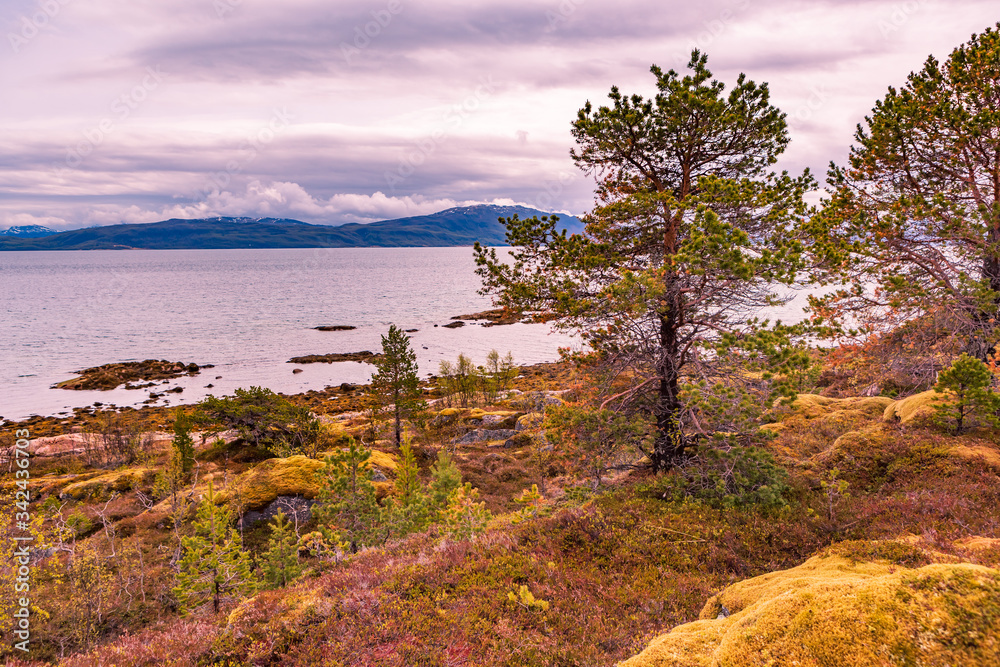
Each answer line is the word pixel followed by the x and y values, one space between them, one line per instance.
pixel 913 220
pixel 689 240
pixel 396 379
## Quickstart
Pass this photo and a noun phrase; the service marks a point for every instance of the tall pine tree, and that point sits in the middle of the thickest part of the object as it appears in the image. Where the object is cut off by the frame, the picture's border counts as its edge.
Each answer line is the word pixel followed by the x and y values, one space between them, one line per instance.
pixel 395 380
pixel 692 237
pixel 913 220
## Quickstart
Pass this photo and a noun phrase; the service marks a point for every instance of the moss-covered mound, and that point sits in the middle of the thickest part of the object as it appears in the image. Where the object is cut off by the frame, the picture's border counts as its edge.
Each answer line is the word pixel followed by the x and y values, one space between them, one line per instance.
pixel 102 486
pixel 110 376
pixel 838 609
pixel 913 407
pixel 812 422
pixel 292 476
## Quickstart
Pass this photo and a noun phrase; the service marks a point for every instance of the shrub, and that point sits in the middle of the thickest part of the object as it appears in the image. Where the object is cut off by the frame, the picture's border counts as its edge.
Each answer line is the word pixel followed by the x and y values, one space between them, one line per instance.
pixel 732 478
pixel 265 420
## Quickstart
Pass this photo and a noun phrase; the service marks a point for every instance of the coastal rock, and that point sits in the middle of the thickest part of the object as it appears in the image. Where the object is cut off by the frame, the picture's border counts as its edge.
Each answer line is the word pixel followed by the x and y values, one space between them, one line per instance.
pixel 536 401
pixel 454 325
pixel 365 356
pixel 530 421
pixel 517 441
pixel 500 316
pixel 335 327
pixel 111 376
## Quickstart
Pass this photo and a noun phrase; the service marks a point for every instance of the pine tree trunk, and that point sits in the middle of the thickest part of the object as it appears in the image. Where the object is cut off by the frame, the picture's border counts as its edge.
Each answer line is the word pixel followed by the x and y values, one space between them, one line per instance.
pixel 979 346
pixel 669 445
pixel 399 426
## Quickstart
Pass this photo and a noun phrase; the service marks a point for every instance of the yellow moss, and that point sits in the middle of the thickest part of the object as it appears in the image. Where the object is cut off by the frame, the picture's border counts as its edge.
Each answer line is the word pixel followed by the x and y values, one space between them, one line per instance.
pixel 814 405
pixel 833 611
pixel 103 485
pixel 912 407
pixel 987 454
pixel 977 543
pixel 384 460
pixel 450 412
pixel 292 476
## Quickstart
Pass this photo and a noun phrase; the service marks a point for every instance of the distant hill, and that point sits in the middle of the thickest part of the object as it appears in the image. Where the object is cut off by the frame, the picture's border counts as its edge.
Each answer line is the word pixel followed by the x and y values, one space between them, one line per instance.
pixel 460 226
pixel 28 231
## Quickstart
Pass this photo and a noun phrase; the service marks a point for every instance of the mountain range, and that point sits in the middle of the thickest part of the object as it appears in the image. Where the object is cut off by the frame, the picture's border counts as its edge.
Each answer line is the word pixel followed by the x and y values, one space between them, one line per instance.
pixel 458 226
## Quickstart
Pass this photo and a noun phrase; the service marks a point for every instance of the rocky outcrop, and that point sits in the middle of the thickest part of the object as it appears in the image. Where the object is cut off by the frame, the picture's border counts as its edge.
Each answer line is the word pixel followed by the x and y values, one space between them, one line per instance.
pixel 365 356
pixel 294 507
pixel 111 376
pixel 335 327
pixel 484 435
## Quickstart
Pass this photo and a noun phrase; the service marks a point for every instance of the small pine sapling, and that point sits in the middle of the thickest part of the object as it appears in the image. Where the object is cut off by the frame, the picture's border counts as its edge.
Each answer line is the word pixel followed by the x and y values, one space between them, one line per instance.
pixel 968 386
pixel 214 567
pixel 281 560
pixel 466 516
pixel 348 513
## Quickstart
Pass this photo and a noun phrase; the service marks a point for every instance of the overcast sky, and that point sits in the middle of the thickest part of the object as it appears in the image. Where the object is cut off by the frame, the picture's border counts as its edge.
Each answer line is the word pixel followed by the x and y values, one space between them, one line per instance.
pixel 329 112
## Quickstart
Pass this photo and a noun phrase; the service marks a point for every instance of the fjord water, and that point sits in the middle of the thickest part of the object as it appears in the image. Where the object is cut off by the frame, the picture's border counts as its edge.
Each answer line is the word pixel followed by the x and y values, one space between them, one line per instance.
pixel 246 311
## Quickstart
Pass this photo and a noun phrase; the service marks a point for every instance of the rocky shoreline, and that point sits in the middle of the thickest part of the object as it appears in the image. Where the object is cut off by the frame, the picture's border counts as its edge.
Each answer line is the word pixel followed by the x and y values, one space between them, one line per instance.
pixel 341 398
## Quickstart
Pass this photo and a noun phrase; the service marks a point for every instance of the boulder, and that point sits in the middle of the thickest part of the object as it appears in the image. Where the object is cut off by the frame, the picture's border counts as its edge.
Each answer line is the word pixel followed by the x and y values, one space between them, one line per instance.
pixel 484 435
pixel 290 505
pixel 530 421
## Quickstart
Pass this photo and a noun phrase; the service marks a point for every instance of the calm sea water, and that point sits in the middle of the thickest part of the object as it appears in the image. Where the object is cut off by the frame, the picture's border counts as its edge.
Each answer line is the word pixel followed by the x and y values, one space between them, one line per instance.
pixel 246 311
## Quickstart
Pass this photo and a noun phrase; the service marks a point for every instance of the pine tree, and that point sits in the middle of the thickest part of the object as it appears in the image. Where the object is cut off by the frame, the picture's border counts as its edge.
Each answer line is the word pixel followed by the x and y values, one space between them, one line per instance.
pixel 183 443
pixel 396 379
pixel 408 509
pixel 692 237
pixel 281 560
pixel 968 384
pixel 445 480
pixel 214 567
pixel 348 512
pixel 465 516
pixel 912 225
